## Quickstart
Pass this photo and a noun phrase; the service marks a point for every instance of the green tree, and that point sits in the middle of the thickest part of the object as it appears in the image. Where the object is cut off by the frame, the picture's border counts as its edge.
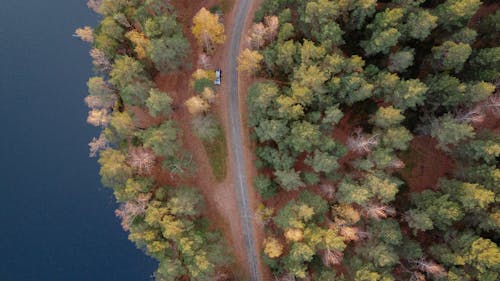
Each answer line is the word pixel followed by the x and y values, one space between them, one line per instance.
pixel 114 169
pixel 159 103
pixel 449 131
pixel 303 136
pixel 386 117
pixel 206 127
pixel 168 53
pixel 288 179
pixel 450 56
pixel 400 61
pixel 162 139
pixel 420 24
pixel 322 162
pixel 456 13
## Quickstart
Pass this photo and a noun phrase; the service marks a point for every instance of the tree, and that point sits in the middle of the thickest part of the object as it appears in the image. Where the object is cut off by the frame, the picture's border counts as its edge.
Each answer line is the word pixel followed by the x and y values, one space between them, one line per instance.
pixel 196 105
pixel 98 117
pixel 436 207
pixel 272 247
pixel 94 5
pixel 111 28
pixel 127 71
pixel 207 29
pixel 86 34
pixel 274 129
pixel 265 186
pixel 288 179
pixel 184 201
pixel 249 61
pixel 332 115
pixel 400 61
pixel 206 127
pixel 384 32
pixel 386 117
pixel 101 96
pixel 420 24
pixel 162 139
pixel 303 136
pixel 449 131
pixel 100 60
pixel 141 160
pixel 159 103
pixel 349 192
pixel 407 94
pixel 164 25
pixel 382 187
pixel 121 126
pixel 485 65
pixel 450 56
pixel 360 143
pixel 396 138
pixel 473 197
pixel 456 13
pixel 114 170
pixel 322 162
pixel 140 42
pixel 168 53
pixel 131 209
pixel 97 144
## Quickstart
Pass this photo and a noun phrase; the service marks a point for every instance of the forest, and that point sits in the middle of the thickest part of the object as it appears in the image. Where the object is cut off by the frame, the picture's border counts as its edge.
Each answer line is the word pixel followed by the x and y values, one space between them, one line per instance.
pixel 374 124
pixel 140 143
pixel 376 131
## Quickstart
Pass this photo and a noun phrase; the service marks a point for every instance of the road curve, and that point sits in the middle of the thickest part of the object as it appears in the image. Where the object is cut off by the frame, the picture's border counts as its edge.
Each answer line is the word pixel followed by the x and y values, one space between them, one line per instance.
pixel 240 177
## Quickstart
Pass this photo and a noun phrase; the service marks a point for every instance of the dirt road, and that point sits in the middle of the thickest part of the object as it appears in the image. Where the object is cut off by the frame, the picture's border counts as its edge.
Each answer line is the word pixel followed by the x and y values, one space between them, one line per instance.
pixel 240 177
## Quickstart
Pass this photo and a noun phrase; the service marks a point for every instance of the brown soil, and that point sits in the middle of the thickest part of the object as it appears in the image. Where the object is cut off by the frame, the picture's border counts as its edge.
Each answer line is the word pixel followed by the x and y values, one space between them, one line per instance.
pixel 425 164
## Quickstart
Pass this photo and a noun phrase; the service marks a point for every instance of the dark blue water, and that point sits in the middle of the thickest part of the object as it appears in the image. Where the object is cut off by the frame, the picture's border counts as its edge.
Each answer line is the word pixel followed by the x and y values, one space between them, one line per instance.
pixel 56 221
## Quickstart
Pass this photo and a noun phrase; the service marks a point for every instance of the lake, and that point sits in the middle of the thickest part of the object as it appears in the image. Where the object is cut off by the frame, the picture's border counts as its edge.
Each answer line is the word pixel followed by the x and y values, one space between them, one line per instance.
pixel 57 221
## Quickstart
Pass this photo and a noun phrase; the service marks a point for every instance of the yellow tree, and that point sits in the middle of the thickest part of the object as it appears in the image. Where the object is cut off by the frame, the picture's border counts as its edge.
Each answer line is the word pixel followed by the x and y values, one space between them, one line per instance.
pixel 207 29
pixel 272 247
pixel 197 105
pixel 140 42
pixel 249 61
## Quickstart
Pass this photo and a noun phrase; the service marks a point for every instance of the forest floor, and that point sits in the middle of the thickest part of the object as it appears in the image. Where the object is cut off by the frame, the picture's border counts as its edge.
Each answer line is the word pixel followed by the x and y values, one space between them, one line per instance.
pixel 220 198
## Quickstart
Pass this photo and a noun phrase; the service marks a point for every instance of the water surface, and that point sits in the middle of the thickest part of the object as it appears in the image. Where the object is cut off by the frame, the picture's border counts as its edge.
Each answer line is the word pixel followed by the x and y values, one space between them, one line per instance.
pixel 56 220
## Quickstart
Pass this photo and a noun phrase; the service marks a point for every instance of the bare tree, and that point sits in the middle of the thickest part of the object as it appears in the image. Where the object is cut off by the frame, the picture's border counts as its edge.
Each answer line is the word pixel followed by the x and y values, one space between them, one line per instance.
pixel 94 5
pixel 328 190
pixel 474 115
pixel 100 61
pixel 204 61
pixel 97 144
pixel 141 160
pixel 330 257
pixel 257 33
pixel 349 233
pixel 397 163
pixel 272 25
pixel 493 104
pixel 86 34
pixel 131 209
pixel 359 143
pixel 430 267
pixel 376 211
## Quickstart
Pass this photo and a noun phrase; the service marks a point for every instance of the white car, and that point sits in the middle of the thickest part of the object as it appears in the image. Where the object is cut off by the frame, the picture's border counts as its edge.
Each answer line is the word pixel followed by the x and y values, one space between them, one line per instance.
pixel 218 76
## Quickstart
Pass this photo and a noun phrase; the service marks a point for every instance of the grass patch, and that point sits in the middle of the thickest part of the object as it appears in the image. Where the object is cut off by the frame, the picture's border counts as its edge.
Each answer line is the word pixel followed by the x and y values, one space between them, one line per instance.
pixel 217 155
pixel 209 130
